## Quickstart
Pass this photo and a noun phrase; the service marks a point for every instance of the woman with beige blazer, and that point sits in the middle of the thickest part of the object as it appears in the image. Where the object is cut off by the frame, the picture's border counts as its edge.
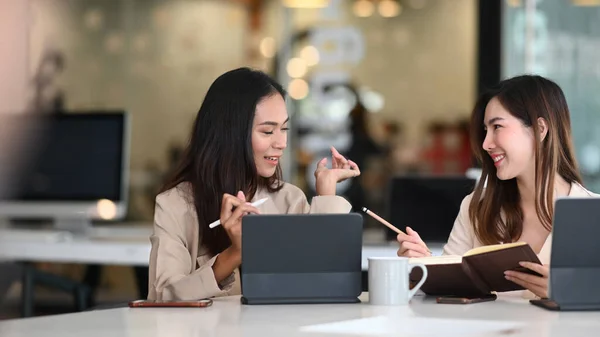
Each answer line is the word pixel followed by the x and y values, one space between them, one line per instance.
pixel 521 135
pixel 232 160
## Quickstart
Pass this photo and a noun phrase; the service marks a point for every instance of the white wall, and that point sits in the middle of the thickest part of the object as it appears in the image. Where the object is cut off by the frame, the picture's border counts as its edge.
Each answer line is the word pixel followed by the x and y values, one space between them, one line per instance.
pixel 156 59
pixel 165 55
pixel 423 61
pixel 14 35
pixel 14 31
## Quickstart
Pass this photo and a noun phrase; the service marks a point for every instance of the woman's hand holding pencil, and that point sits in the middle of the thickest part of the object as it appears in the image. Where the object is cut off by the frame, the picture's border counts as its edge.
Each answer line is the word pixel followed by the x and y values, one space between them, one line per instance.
pixel 233 208
pixel 410 242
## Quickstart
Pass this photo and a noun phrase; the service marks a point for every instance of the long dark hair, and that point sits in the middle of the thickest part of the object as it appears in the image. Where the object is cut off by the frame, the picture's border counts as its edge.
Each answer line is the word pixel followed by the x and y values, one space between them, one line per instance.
pixel 219 157
pixel 528 98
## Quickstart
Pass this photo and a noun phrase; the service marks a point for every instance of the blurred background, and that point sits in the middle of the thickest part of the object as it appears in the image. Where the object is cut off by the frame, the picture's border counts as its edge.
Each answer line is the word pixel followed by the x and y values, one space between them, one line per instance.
pixel 97 98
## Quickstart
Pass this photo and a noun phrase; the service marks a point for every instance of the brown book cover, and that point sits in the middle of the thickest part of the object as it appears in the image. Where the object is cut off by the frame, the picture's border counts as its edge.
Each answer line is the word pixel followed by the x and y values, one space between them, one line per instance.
pixel 478 272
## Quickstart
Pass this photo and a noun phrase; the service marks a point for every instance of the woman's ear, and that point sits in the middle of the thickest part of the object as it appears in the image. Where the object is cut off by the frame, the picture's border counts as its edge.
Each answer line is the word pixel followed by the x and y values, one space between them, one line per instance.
pixel 543 128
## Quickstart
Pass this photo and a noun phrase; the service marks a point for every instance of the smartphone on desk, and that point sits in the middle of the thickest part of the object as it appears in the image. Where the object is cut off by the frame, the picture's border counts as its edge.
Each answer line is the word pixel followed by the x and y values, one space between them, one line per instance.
pixel 465 300
pixel 546 304
pixel 171 304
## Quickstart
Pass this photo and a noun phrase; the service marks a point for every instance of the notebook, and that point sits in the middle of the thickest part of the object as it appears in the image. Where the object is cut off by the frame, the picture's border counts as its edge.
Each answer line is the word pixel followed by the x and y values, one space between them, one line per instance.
pixel 479 271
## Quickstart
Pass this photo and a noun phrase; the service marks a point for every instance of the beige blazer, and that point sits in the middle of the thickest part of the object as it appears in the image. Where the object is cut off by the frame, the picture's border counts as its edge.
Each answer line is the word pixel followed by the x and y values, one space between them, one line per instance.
pixel 181 269
pixel 462 237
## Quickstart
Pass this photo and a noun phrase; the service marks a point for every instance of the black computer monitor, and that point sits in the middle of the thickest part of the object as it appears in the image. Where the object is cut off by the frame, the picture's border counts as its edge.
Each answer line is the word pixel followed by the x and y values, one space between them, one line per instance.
pixel 74 168
pixel 428 204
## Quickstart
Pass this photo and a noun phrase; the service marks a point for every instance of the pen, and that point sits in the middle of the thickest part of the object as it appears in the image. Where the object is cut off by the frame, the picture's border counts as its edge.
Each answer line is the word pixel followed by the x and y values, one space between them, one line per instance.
pixel 378 218
pixel 255 204
pixel 387 224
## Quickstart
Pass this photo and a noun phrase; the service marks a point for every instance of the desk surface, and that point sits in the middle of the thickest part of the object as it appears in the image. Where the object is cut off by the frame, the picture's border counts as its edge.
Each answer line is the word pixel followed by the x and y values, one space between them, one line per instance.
pixel 127 245
pixel 508 316
pixel 114 245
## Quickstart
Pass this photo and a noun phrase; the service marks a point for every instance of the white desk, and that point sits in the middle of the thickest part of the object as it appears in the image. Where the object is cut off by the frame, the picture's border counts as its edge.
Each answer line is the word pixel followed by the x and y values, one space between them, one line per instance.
pixel 114 245
pixel 227 317
pixel 107 245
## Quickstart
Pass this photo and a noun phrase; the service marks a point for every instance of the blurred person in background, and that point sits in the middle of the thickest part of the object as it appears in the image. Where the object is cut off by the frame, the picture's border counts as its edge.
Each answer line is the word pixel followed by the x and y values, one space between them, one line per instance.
pixel 362 148
pixel 48 98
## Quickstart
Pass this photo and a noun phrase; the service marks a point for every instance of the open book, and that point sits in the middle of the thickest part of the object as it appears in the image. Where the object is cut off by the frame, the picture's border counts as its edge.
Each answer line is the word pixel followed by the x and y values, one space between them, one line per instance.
pixel 478 272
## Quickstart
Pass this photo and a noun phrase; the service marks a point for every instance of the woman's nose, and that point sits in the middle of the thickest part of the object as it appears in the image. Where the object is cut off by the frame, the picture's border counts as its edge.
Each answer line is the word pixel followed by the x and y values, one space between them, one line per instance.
pixel 488 141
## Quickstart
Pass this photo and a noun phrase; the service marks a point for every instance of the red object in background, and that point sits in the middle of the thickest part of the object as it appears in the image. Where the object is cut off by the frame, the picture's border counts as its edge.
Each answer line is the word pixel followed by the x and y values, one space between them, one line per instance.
pixel 465 154
pixel 444 157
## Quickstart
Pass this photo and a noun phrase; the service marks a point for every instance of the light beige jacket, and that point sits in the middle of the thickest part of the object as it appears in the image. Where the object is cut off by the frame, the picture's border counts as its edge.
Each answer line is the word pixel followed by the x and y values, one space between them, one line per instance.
pixel 462 237
pixel 181 269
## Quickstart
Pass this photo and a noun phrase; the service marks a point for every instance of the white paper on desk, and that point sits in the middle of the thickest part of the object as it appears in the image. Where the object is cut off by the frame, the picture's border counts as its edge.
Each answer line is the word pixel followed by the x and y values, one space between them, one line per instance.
pixel 412 326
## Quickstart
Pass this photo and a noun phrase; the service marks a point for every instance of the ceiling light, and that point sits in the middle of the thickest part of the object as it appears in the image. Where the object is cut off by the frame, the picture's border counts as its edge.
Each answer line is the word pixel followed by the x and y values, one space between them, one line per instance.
pixel 363 8
pixel 586 3
pixel 389 8
pixel 298 89
pixel 296 67
pixel 306 3
pixel 310 54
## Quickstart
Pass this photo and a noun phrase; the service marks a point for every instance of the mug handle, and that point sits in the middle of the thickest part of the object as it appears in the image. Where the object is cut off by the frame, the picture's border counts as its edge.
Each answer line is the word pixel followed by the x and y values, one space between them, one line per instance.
pixel 416 288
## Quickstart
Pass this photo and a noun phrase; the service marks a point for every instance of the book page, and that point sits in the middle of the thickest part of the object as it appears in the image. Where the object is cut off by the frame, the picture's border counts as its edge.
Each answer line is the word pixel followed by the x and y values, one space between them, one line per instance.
pixel 430 260
pixel 492 248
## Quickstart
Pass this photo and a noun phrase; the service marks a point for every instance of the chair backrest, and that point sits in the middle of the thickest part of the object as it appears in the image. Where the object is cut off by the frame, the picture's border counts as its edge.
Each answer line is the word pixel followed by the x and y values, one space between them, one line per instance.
pixel 428 204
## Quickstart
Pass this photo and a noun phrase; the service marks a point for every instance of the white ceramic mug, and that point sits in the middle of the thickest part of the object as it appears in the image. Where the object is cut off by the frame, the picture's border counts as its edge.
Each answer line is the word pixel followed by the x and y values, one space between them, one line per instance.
pixel 389 280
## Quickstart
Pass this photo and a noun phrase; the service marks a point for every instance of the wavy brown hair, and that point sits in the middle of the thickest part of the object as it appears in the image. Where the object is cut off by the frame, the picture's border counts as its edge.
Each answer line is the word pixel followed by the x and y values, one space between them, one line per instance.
pixel 528 98
pixel 219 157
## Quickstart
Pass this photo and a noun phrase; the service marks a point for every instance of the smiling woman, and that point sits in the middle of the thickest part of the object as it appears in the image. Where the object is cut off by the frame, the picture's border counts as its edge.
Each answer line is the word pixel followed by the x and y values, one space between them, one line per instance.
pixel 232 160
pixel 521 134
pixel 269 134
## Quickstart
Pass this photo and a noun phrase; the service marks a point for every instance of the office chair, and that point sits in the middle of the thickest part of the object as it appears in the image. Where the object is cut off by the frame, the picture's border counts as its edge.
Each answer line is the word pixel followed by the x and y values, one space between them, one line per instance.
pixel 32 276
pixel 428 204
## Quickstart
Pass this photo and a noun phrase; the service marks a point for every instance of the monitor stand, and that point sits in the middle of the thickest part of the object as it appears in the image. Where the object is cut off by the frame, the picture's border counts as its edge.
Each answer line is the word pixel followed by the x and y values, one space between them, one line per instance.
pixel 45 230
pixel 76 226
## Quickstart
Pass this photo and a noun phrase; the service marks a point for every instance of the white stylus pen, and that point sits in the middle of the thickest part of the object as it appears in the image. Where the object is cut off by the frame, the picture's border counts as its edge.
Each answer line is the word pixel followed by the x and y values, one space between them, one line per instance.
pixel 255 204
